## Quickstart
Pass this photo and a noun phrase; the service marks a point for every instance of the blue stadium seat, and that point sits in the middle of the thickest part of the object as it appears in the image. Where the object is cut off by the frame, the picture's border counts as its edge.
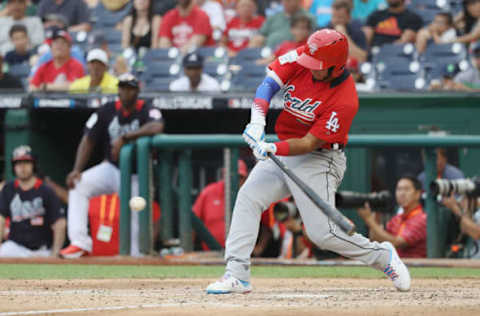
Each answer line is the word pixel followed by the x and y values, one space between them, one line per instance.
pixel 158 84
pixel 427 15
pixel 438 56
pixel 392 51
pixel 403 82
pixel 159 54
pixel 113 36
pixel 249 54
pixel 159 69
pixel 20 71
pixel 250 68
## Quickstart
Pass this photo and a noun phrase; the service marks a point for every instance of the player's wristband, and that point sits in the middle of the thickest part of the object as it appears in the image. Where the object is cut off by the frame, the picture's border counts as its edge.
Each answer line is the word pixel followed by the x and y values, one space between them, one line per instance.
pixel 283 148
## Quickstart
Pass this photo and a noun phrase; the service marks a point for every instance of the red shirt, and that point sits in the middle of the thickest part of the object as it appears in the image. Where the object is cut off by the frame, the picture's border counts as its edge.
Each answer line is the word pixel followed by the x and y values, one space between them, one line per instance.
pixel 325 110
pixel 287 46
pixel 48 73
pixel 180 29
pixel 239 33
pixel 210 208
pixel 413 228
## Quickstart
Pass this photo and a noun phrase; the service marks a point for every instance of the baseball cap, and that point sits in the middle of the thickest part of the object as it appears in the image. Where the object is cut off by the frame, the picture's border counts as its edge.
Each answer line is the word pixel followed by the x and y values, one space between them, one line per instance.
pixel 128 80
pixel 97 54
pixel 193 60
pixel 22 153
pixel 55 32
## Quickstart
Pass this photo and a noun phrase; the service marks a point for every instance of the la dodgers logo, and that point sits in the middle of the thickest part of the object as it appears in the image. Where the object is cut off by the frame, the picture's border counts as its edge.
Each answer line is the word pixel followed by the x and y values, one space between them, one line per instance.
pixel 302 109
pixel 332 123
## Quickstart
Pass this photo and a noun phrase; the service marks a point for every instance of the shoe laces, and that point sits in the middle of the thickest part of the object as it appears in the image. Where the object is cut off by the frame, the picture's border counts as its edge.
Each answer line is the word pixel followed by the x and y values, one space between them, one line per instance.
pixel 390 272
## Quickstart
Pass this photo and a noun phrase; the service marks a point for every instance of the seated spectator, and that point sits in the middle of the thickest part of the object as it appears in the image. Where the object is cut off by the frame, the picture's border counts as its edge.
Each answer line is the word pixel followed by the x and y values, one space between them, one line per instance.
pixel 37 219
pixel 396 24
pixel 342 22
pixel 210 205
pixel 406 231
pixel 21 52
pixel 363 8
pixel 31 8
pixel 448 73
pixel 469 223
pixel 444 169
pixel 469 80
pixel 468 22
pixel 160 8
pixel 7 81
pixel 17 9
pixel 194 80
pixel 45 53
pixel 185 27
pixel 242 27
pixel 98 80
pixel 301 29
pixel 440 31
pixel 76 12
pixel 214 10
pixel 322 10
pixel 276 28
pixel 62 70
pixel 138 25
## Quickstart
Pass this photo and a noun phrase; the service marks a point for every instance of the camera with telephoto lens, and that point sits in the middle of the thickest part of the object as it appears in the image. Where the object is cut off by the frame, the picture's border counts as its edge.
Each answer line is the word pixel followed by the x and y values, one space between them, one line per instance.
pixel 284 210
pixel 444 187
pixel 379 201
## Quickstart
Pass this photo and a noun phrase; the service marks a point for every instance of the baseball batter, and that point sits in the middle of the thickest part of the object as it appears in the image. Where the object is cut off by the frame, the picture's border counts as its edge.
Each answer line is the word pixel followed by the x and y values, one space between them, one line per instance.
pixel 320 102
pixel 113 125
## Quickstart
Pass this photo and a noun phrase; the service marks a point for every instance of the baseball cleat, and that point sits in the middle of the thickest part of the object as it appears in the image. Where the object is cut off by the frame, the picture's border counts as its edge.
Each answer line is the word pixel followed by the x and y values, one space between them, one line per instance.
pixel 229 284
pixel 396 270
pixel 72 252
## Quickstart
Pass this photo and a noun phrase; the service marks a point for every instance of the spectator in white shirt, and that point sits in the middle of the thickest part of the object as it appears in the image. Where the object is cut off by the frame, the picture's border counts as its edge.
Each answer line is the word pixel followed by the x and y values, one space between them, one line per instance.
pixel 194 80
pixel 215 12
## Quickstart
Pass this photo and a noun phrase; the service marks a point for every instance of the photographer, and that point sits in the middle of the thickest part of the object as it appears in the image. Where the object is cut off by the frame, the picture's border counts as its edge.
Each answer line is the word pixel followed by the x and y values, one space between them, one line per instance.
pixel 468 225
pixel 406 231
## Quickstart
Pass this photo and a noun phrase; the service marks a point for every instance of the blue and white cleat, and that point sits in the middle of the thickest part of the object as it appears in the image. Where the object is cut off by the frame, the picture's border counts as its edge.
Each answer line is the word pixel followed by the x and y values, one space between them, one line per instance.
pixel 396 270
pixel 229 284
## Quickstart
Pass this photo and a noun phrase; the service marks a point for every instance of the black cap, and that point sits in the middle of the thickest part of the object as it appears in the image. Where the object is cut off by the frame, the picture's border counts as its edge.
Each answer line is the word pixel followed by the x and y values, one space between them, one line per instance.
pixel 128 80
pixel 450 70
pixel 193 60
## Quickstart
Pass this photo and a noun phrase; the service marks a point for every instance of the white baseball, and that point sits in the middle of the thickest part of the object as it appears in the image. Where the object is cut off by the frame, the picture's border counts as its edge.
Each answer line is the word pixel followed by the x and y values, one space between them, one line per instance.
pixel 137 203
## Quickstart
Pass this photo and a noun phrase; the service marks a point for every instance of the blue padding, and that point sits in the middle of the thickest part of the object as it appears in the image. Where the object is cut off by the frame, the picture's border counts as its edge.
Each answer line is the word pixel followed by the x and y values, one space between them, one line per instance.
pixel 267 89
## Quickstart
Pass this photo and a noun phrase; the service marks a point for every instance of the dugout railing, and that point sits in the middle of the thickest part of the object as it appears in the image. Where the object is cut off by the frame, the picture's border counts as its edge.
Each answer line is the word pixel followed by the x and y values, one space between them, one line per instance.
pixel 166 145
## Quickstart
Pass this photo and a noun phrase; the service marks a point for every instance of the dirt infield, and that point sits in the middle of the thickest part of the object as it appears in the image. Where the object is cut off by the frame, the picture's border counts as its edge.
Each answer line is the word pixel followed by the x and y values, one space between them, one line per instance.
pixel 270 297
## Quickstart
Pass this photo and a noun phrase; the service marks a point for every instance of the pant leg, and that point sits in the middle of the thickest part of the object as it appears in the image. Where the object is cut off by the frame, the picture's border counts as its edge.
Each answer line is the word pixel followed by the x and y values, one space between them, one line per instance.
pixel 103 178
pixel 135 226
pixel 42 252
pixel 264 185
pixel 324 173
pixel 10 249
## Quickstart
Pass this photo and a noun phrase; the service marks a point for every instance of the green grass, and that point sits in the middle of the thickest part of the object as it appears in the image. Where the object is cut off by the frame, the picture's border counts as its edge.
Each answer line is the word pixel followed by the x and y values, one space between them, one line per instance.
pixel 71 271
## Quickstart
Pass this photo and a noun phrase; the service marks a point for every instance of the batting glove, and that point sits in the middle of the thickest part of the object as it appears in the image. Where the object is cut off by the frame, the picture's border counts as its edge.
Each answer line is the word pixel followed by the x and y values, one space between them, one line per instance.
pixel 262 148
pixel 253 134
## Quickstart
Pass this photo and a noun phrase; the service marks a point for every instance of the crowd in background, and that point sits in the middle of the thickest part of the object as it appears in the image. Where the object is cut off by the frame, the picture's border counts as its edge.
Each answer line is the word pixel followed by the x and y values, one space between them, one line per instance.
pixel 54 45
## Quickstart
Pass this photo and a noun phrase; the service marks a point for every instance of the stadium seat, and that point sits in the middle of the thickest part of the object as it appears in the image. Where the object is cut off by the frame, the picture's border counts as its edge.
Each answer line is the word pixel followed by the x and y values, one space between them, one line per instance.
pixel 403 82
pixel 160 54
pixel 392 51
pixel 438 56
pixel 158 84
pixel 427 15
pixel 113 36
pixel 20 71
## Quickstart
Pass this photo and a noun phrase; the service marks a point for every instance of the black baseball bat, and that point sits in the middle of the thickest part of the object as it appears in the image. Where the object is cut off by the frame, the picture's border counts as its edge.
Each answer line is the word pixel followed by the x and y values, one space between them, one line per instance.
pixel 344 223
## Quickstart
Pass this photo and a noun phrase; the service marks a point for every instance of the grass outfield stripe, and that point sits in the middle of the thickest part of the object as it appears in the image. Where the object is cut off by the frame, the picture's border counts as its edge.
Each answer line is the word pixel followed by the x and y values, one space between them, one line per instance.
pixel 71 271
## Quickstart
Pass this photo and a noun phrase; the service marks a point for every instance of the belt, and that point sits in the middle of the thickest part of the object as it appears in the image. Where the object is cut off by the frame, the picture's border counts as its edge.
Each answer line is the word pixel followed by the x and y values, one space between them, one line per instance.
pixel 333 146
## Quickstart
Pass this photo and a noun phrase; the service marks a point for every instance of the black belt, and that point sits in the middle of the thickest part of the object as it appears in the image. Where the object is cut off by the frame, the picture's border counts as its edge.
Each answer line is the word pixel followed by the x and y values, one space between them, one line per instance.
pixel 333 146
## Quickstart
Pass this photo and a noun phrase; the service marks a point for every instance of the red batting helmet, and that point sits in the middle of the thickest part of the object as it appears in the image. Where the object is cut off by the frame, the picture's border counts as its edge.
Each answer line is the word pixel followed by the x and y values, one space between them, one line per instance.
pixel 325 49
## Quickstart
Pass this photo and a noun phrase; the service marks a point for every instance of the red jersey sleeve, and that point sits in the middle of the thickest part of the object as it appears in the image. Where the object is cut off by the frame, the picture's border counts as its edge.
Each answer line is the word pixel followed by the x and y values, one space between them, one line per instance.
pixel 202 24
pixel 286 65
pixel 166 26
pixel 38 77
pixel 333 124
pixel 415 230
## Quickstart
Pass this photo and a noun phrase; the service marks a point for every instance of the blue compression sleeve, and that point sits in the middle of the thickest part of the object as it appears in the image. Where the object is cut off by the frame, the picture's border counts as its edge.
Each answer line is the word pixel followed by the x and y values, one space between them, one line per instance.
pixel 267 89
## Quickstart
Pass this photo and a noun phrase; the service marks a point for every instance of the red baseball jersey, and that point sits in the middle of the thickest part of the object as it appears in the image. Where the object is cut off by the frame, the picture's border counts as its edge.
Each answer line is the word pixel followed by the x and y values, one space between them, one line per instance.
pixel 324 109
pixel 239 33
pixel 413 228
pixel 48 73
pixel 180 29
